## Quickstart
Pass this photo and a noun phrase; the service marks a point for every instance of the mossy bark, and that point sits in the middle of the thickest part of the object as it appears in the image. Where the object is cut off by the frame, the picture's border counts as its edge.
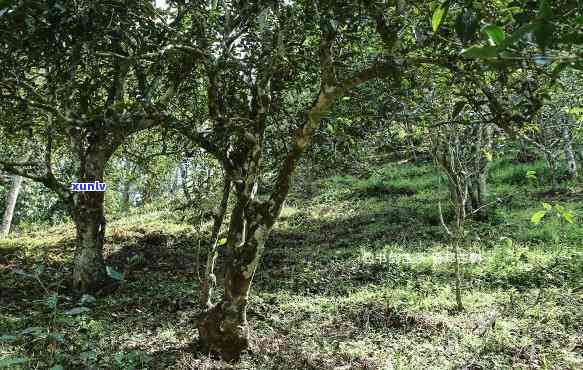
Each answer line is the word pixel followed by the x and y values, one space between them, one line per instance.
pixel 209 281
pixel 89 268
pixel 89 273
pixel 223 329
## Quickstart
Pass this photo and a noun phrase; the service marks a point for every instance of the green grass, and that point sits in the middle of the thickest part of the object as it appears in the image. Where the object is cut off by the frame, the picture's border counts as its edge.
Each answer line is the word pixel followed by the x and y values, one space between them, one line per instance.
pixel 361 275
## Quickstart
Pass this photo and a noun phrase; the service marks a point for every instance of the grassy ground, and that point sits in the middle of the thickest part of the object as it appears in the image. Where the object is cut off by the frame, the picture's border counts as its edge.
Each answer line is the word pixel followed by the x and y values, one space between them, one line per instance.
pixel 359 276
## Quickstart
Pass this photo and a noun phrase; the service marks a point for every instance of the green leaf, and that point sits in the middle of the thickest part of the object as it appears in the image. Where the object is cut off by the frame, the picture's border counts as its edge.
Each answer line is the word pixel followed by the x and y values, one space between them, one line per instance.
pixel 531 175
pixel 559 67
pixel 21 273
pixel 222 241
pixel 495 34
pixel 57 337
pixel 507 241
pixel 9 361
pixel 87 300
pixel 519 34
pixel 8 338
pixel 76 311
pixel 57 367
pixel 38 270
pixel 568 216
pixel 113 274
pixel 34 331
pixel 51 301
pixel 547 206
pixel 439 15
pixel 119 358
pixel 537 217
pixel 480 52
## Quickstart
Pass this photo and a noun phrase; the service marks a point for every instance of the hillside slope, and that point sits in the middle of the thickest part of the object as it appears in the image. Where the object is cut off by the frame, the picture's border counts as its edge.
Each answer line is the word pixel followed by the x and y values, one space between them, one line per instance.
pixel 359 276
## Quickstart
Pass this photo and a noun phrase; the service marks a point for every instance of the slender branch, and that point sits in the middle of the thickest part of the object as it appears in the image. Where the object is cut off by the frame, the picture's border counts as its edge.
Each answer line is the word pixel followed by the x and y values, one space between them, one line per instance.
pixel 210 280
pixel 319 108
pixel 203 56
pixel 442 221
pixel 201 139
pixel 39 101
pixel 49 180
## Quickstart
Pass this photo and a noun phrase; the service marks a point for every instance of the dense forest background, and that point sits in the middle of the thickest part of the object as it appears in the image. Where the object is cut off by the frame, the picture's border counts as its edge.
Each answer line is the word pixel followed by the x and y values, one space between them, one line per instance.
pixel 291 184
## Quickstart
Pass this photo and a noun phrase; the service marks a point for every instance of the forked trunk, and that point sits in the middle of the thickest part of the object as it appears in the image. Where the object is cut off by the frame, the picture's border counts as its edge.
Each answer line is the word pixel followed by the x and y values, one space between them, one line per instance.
pixel 223 329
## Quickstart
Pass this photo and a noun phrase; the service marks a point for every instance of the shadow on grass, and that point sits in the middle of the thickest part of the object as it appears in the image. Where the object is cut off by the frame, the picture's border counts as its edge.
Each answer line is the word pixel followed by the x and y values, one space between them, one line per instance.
pixel 155 309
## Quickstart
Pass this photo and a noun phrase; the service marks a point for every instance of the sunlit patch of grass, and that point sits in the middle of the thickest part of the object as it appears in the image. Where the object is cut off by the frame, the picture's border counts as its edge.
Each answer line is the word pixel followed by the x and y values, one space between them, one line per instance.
pixel 316 302
pixel 507 172
pixel 287 212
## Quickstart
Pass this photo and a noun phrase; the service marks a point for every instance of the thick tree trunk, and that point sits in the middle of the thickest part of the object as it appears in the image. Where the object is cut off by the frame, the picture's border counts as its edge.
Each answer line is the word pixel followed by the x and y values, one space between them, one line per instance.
pixel 223 328
pixel 88 213
pixel 569 154
pixel 10 205
pixel 89 268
